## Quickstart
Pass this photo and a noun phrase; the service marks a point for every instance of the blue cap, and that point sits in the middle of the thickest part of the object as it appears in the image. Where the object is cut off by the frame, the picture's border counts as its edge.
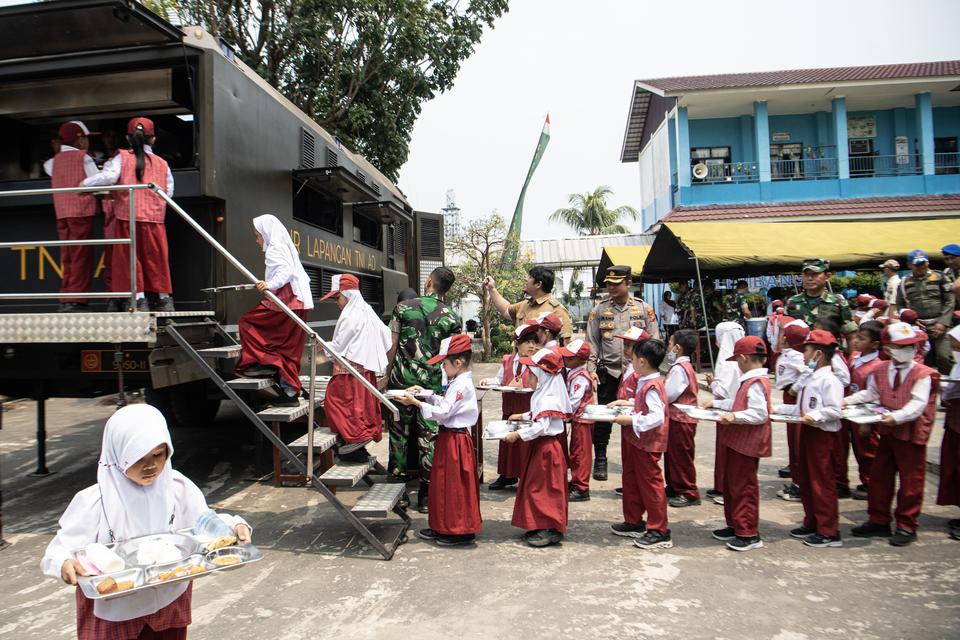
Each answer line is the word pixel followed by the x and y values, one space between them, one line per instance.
pixel 951 250
pixel 917 256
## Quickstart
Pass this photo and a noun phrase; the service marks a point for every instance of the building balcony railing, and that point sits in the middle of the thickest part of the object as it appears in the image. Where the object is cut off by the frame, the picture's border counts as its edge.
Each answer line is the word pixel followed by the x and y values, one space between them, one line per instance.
pixel 907 164
pixel 725 172
pixel 947 163
pixel 803 169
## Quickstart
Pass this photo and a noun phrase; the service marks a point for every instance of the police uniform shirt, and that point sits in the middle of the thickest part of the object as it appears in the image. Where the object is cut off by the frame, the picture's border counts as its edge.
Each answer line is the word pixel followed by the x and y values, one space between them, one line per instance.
pixel 932 299
pixel 530 308
pixel 607 320
pixel 821 399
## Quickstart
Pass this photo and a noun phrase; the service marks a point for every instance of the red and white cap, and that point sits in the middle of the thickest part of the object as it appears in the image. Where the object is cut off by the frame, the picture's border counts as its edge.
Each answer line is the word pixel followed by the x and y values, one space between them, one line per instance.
pixel 864 299
pixel 821 338
pixel 576 349
pixel 452 346
pixel 901 334
pixel 909 316
pixel 877 303
pixel 342 282
pixel 547 320
pixel 795 332
pixel 748 345
pixel 524 329
pixel 634 334
pixel 70 131
pixel 141 124
pixel 546 359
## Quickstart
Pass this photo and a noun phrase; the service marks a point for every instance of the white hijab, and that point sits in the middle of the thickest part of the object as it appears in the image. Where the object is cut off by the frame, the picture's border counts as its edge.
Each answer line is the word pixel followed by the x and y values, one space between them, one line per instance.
pixel 282 256
pixel 727 374
pixel 550 398
pixel 360 335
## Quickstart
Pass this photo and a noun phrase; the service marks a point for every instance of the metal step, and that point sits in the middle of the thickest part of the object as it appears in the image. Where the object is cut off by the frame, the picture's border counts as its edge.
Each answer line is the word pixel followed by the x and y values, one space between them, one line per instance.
pixel 250 384
pixel 229 351
pixel 347 474
pixel 323 439
pixel 286 414
pixel 379 501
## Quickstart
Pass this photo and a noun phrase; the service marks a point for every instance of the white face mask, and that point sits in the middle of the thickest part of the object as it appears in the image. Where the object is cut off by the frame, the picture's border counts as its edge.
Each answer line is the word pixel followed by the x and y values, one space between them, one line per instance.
pixel 671 357
pixel 902 355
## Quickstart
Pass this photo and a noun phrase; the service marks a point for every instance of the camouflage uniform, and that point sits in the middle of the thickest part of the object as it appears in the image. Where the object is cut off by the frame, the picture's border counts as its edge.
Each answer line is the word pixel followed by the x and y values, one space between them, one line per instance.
pixel 827 305
pixel 421 323
pixel 687 307
pixel 714 301
pixel 733 309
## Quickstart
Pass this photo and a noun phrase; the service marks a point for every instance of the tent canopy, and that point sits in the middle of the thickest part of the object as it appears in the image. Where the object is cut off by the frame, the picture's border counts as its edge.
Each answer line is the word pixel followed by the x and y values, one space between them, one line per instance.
pixel 728 249
pixel 634 256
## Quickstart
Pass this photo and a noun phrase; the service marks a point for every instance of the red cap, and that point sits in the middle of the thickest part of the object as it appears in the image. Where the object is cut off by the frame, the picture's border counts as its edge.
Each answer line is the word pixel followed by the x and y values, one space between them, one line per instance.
pixel 909 316
pixel 748 345
pixel 70 131
pixel 795 332
pixel 144 124
pixel 452 346
pixel 342 282
pixel 901 334
pixel 634 334
pixel 576 349
pixel 776 303
pixel 547 359
pixel 548 321
pixel 877 303
pixel 524 329
pixel 864 299
pixel 821 337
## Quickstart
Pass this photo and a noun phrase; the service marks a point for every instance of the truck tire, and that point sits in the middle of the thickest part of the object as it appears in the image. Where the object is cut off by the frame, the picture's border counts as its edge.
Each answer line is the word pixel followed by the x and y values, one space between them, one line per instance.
pixel 160 400
pixel 185 405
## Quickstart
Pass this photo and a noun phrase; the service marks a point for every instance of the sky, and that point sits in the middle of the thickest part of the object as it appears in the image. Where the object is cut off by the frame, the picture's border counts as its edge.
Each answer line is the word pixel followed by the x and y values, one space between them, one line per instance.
pixel 578 61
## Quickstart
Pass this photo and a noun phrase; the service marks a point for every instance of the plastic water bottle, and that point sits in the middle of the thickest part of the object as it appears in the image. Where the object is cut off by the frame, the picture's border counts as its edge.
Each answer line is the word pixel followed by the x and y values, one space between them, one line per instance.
pixel 210 526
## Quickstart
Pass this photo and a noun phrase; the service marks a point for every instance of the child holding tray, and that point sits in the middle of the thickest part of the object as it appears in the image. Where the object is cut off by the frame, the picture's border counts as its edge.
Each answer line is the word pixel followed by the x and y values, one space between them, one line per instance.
pixel 137 493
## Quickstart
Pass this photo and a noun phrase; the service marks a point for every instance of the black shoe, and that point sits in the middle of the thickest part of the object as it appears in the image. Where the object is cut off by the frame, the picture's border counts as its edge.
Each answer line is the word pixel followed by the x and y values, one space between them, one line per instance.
pixel 820 540
pixel 627 530
pixel 579 495
pixel 903 537
pixel 350 447
pixel 953 524
pixel 711 493
pixel 73 307
pixel 143 305
pixel 724 535
pixel 683 501
pixel 600 469
pixel 501 483
pixel 427 534
pixel 843 493
pixel 422 499
pixel 790 493
pixel 260 371
pixel 670 491
pixel 860 493
pixel 164 304
pixel 653 539
pixel 114 306
pixel 543 538
pixel 784 472
pixel 802 532
pixel 619 492
pixel 455 541
pixel 743 543
pixel 282 399
pixel 871 530
pixel 356 455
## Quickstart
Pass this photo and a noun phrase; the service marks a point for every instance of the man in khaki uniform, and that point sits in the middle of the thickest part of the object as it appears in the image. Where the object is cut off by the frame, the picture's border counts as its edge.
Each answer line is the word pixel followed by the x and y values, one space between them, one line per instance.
pixel 929 294
pixel 538 300
pixel 612 317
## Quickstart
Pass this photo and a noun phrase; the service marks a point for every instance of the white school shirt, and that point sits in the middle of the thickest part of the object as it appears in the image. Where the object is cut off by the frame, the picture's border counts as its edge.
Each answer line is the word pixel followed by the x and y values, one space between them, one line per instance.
pixel 677 381
pixel 821 399
pixel 457 407
pixel 89 166
pixel 656 411
pixel 790 366
pixel 501 377
pixel 837 364
pixel 919 394
pixel 756 411
pixel 110 174
pixel 576 389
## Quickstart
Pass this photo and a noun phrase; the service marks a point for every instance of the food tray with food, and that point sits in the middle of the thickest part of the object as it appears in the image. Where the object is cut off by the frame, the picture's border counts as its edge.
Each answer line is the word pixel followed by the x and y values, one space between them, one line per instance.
pixel 399 393
pixel 949 379
pixel 206 556
pixel 503 388
pixel 604 413
pixel 863 410
pixel 496 429
pixel 710 415
pixel 782 417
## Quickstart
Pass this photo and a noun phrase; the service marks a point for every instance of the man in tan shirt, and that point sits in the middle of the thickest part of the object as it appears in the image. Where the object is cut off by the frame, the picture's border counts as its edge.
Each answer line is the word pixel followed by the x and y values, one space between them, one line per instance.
pixel 537 287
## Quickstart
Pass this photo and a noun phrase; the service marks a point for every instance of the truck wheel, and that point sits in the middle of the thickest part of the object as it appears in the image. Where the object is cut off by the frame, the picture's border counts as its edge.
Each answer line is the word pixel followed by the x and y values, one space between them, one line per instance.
pixel 160 400
pixel 191 405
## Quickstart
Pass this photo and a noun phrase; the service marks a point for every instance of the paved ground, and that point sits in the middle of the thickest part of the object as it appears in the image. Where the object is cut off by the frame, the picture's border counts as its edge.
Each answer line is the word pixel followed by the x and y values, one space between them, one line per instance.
pixel 311 584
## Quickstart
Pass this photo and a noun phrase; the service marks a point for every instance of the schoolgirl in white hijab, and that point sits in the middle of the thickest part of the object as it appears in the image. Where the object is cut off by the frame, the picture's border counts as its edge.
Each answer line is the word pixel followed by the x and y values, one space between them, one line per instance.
pixel 282 260
pixel 137 493
pixel 726 376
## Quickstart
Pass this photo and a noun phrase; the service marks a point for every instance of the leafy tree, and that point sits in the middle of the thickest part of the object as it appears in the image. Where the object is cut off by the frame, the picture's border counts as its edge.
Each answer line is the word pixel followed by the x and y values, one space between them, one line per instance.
pixel 589 215
pixel 571 297
pixel 475 253
pixel 360 68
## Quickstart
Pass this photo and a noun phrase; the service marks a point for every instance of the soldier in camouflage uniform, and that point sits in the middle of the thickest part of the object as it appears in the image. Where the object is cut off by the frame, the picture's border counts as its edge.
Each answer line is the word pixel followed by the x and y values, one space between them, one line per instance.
pixel 418 327
pixel 687 301
pixel 929 294
pixel 736 308
pixel 816 302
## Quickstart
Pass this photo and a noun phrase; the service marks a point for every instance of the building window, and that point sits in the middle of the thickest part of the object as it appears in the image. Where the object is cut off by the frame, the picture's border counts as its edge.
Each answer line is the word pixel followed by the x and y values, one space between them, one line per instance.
pixel 317 208
pixel 366 230
pixel 716 161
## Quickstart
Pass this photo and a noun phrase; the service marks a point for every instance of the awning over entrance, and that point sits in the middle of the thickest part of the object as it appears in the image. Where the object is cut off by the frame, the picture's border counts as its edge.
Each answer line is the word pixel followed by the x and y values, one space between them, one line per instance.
pixel 629 255
pixel 730 249
pixel 348 188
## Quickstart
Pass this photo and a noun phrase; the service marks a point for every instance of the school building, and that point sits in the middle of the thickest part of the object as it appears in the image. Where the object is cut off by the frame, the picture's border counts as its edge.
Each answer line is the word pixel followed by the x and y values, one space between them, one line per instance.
pixel 807 145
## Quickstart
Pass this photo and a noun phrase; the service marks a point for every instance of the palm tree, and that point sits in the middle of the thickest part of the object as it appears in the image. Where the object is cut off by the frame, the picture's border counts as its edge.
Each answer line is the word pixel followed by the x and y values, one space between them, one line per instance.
pixel 589 215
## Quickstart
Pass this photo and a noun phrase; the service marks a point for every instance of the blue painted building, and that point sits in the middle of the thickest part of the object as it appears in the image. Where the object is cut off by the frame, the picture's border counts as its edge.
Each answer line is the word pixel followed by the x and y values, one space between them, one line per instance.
pixel 879 132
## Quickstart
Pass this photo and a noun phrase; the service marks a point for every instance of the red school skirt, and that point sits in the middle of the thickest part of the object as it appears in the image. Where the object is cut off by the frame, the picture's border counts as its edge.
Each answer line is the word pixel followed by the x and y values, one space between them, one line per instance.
pixel 454 497
pixel 541 501
pixel 169 623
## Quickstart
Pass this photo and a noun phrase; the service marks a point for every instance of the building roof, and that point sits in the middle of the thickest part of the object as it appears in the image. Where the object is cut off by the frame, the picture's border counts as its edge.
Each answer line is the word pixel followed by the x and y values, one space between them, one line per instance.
pixel 580 251
pixel 731 94
pixel 922 206
pixel 805 76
